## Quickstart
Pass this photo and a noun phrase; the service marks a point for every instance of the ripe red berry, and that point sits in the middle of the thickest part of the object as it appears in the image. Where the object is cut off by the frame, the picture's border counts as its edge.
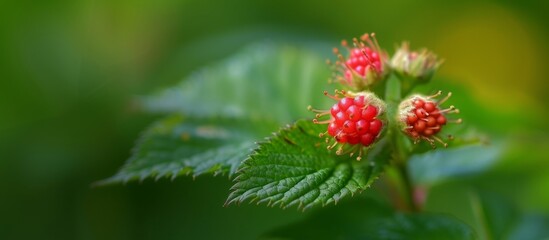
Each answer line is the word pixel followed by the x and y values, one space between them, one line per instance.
pixel 354 120
pixel 346 124
pixel 422 118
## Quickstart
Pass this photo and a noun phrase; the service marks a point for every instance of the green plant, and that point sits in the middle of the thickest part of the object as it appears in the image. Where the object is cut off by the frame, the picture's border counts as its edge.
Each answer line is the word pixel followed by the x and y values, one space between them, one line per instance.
pixel 218 114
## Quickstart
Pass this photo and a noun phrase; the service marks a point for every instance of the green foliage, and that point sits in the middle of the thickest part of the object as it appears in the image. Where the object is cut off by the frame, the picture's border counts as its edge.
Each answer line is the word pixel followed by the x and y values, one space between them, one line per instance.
pixel 241 100
pixel 294 168
pixel 498 218
pixel 218 114
pixel 178 145
pixel 438 165
pixel 368 219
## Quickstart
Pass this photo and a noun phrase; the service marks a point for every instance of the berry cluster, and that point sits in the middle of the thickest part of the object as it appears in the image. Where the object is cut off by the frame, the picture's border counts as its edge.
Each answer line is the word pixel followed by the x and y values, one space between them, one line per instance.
pixel 353 120
pixel 423 117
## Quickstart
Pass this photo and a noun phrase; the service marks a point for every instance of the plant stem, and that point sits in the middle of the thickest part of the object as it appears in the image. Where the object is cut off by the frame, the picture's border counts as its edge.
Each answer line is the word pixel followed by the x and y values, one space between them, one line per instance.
pixel 393 95
pixel 408 187
pixel 401 163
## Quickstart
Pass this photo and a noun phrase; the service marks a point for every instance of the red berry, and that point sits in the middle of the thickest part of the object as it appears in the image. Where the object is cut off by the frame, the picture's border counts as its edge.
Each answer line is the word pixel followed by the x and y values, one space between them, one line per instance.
pixel 362 59
pixel 369 113
pixel 332 129
pixel 359 101
pixel 340 118
pixel 431 121
pixel 441 120
pixel 360 70
pixel 367 139
pixel 354 121
pixel 363 65
pixel 429 107
pixel 341 138
pixel 353 139
pixel 353 113
pixel 362 126
pixel 419 126
pixel 423 118
pixel 420 112
pixel 335 109
pixel 412 118
pixel 375 126
pixel 345 103
pixel 418 103
pixel 349 127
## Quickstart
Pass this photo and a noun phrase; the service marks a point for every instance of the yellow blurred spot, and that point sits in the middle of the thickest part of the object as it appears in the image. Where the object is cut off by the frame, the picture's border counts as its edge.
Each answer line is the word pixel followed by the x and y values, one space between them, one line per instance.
pixel 211 132
pixel 495 53
pixel 185 137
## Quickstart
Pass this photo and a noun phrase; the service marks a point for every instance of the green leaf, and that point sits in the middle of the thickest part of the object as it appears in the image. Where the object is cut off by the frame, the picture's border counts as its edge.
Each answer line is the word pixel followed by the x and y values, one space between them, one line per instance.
pixel 498 218
pixel 368 219
pixel 295 168
pixel 263 81
pixel 191 146
pixel 439 165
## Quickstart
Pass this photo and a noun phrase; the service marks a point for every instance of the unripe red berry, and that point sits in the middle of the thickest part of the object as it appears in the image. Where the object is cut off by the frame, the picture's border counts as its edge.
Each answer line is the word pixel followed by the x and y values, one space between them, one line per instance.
pixel 354 121
pixel 365 65
pixel 422 117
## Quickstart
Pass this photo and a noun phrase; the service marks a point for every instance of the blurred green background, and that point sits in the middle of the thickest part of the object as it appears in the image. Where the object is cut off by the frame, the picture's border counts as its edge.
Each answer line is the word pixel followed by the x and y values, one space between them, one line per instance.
pixel 70 71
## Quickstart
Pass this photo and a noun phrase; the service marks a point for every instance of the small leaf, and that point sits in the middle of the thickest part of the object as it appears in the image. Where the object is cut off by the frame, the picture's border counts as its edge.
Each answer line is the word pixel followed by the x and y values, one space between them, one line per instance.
pixel 177 145
pixel 368 219
pixel 265 81
pixel 295 168
pixel 438 165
